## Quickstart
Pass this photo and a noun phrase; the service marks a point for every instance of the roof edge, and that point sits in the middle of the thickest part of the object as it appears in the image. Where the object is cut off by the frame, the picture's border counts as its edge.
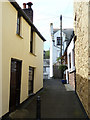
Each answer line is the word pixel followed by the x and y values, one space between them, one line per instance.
pixel 18 8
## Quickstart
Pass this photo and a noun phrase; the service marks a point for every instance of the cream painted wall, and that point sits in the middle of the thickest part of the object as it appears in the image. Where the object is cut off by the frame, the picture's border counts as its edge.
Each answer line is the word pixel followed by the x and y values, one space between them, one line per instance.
pixel 14 46
pixel 0 58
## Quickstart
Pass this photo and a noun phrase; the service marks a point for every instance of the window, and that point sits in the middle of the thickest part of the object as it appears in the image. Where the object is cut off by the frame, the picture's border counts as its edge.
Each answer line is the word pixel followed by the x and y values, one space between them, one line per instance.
pixel 31 41
pixel 58 41
pixel 70 60
pixel 18 23
pixel 31 80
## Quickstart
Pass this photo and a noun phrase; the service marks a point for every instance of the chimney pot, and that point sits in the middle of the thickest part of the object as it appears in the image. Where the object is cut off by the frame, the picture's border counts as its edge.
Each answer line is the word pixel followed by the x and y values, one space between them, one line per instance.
pixel 29 4
pixel 24 5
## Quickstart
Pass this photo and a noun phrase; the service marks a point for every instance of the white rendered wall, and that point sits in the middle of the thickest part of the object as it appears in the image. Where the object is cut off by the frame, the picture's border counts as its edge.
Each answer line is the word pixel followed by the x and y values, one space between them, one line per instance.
pixel 51 51
pixel 70 50
pixel 56 54
pixel 57 34
pixel 54 49
pixel 47 73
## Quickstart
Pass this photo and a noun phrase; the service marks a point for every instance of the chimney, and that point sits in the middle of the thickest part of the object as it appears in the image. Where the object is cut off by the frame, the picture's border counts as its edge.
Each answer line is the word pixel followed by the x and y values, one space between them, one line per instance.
pixel 29 4
pixel 51 28
pixel 28 10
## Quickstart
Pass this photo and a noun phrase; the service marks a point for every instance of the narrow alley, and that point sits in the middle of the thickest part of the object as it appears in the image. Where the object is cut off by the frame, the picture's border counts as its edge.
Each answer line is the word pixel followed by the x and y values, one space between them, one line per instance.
pixel 57 101
pixel 45 59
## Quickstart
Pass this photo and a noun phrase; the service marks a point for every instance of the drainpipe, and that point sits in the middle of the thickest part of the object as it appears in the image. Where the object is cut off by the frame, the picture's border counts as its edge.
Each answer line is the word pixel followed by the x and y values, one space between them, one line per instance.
pixel 51 51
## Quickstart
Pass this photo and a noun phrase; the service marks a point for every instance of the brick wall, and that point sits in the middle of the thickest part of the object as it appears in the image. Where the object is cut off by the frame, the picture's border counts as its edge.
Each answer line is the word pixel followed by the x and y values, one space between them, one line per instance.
pixel 72 79
pixel 82 51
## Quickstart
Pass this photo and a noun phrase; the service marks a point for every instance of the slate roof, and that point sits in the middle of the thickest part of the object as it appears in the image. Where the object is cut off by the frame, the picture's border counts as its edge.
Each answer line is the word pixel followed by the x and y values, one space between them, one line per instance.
pixel 55 30
pixel 69 33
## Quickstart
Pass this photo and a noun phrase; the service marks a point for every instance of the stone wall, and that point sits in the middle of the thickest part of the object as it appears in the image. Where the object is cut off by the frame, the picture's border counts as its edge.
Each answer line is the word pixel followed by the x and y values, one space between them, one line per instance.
pixel 82 64
pixel 89 61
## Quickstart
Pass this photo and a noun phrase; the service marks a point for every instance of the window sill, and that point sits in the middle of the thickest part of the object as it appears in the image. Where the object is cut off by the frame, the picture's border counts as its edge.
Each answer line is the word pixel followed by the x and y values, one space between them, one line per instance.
pixel 19 35
pixel 32 54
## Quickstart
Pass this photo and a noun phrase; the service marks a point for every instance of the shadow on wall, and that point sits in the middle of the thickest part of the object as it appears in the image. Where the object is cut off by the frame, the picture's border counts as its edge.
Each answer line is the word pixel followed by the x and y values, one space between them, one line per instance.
pixel 81 86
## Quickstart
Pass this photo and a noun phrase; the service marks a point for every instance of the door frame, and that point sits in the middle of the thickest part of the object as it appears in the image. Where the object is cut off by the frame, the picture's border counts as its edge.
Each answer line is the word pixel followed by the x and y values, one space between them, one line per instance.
pixel 20 61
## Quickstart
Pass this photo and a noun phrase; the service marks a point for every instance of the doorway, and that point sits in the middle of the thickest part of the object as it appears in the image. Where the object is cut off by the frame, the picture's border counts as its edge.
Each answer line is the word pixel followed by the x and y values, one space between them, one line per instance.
pixel 15 83
pixel 31 80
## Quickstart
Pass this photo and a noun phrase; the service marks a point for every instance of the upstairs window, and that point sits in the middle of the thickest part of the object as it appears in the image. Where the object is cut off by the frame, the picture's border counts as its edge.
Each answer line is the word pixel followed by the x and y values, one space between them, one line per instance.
pixel 58 41
pixel 31 41
pixel 18 23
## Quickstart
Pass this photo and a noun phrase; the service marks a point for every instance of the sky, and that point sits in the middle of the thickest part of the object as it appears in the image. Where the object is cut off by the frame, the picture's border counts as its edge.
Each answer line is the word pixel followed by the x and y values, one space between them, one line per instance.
pixel 49 11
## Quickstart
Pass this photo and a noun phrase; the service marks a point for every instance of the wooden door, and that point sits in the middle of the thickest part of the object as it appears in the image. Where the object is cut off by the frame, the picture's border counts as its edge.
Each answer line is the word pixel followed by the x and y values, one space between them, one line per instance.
pixel 15 83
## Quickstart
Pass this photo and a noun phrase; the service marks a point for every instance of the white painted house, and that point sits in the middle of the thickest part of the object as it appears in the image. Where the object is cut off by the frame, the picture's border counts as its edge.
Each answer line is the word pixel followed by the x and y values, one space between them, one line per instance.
pixel 55 44
pixel 70 72
pixel 54 47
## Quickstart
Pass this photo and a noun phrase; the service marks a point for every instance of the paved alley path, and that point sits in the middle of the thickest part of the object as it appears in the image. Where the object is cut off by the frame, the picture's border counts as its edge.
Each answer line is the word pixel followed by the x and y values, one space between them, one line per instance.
pixel 57 101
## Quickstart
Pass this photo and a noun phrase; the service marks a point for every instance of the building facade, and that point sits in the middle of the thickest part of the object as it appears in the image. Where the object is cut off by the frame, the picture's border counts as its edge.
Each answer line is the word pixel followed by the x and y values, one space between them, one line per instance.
pixel 82 51
pixel 70 72
pixel 55 47
pixel 46 69
pixel 22 57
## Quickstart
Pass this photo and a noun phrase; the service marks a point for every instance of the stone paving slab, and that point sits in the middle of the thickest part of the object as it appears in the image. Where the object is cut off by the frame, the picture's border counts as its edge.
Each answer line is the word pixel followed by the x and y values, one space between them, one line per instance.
pixel 57 101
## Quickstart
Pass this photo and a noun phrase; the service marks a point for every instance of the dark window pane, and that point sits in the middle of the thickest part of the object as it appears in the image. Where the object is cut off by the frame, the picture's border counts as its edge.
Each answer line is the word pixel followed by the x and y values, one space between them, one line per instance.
pixel 31 78
pixel 58 41
pixel 18 24
pixel 31 42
